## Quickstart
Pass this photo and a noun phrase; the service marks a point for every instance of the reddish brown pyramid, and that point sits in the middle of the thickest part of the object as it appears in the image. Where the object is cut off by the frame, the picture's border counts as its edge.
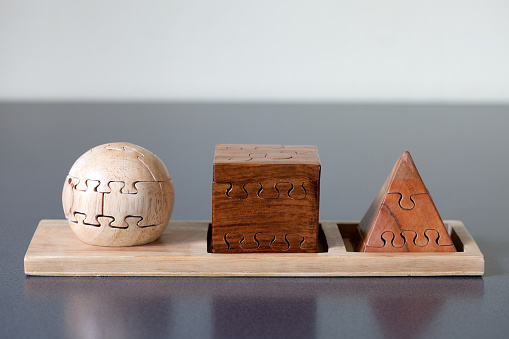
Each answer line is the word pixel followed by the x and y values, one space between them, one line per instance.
pixel 403 218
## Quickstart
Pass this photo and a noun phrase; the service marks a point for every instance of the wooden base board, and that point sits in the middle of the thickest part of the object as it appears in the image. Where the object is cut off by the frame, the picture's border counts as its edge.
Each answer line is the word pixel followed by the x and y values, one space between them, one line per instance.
pixel 183 250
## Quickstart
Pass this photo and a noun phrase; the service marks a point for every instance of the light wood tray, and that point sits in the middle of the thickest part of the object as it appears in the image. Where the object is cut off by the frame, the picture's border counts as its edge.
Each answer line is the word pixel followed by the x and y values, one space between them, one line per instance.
pixel 183 250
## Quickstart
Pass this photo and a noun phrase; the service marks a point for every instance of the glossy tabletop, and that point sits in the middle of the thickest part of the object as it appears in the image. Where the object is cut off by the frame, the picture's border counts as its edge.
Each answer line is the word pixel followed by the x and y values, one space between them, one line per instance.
pixel 461 152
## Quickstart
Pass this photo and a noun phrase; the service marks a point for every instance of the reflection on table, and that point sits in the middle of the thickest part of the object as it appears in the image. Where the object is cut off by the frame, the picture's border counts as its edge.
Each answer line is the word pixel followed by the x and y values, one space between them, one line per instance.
pixel 233 307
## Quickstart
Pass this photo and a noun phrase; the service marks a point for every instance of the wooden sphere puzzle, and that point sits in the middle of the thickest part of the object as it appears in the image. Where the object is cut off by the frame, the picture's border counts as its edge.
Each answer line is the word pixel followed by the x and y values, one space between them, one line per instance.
pixel 118 194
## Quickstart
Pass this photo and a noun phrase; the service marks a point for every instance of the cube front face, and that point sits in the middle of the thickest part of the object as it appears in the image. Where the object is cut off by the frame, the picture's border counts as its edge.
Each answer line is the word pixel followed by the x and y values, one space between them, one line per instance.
pixel 265 198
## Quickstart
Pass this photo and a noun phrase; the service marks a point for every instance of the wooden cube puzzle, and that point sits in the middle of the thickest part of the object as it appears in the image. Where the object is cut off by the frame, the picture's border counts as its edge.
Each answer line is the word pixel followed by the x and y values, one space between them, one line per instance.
pixel 265 198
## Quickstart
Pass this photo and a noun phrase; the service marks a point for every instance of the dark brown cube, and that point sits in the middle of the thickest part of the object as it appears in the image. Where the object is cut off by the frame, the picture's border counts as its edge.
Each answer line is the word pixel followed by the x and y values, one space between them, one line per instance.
pixel 265 198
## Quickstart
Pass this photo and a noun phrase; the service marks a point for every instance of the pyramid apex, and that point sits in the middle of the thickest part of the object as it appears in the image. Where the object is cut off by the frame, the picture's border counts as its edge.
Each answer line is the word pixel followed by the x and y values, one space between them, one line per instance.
pixel 405 168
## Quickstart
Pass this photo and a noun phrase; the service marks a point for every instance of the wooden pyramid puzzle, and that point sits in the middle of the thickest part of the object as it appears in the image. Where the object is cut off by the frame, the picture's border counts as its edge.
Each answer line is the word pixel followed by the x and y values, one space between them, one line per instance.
pixel 403 218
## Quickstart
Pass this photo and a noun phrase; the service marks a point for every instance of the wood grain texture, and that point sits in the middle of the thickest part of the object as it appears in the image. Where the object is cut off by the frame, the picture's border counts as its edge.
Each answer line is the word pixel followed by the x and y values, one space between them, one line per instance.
pixel 265 198
pixel 403 217
pixel 118 194
pixel 182 251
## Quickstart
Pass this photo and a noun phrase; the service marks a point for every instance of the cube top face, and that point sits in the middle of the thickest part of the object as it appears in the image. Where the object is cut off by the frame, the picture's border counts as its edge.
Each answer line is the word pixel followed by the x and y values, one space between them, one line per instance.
pixel 266 154
pixel 265 198
pixel 239 162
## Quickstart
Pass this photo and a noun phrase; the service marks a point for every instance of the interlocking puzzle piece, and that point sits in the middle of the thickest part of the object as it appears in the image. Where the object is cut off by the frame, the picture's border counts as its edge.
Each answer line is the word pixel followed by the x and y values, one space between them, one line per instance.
pixel 243 157
pixel 298 191
pixel 154 214
pixel 83 219
pixel 79 218
pixel 223 187
pixel 295 241
pixel 114 205
pixel 280 244
pixel 233 240
pixel 236 191
pixel 434 236
pixel 148 209
pixel 128 189
pixel 134 221
pixel 406 182
pixel 284 189
pixel 411 237
pixel 280 155
pixel 72 218
pixel 268 190
pixel 253 189
pixel 88 202
pixel 104 187
pixel 265 240
pixel 401 214
pixel 224 244
pixel 406 192
pixel 81 185
pixel 391 239
pixel 249 242
pixel 105 221
pixel 257 156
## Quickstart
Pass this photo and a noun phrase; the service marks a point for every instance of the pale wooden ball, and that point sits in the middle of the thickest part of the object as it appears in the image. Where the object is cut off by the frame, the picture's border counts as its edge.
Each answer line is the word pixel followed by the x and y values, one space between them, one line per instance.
pixel 118 194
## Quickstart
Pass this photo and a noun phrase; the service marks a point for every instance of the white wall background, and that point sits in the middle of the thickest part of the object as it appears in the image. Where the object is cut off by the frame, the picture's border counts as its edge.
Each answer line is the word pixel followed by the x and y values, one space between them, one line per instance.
pixel 264 50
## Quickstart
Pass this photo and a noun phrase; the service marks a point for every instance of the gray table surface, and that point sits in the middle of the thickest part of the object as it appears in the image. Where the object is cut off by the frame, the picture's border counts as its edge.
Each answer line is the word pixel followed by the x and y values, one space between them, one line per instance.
pixel 461 152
